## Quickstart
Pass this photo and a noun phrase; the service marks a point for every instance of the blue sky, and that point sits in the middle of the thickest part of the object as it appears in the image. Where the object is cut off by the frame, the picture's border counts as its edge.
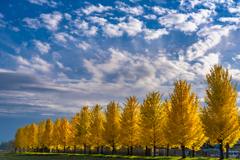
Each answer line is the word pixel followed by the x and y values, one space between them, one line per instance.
pixel 56 56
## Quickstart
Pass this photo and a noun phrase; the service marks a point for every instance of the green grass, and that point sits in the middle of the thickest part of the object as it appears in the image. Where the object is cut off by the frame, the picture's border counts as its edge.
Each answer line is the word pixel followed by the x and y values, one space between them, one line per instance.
pixel 65 156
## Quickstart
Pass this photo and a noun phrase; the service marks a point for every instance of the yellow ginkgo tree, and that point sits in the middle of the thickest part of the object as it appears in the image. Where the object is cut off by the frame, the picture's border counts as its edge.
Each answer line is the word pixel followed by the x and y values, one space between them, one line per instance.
pixel 33 136
pixel 182 117
pixel 220 119
pixel 41 130
pixel 130 120
pixel 73 139
pixel 112 126
pixel 152 116
pixel 64 133
pixel 96 127
pixel 83 127
pixel 56 134
pixel 48 135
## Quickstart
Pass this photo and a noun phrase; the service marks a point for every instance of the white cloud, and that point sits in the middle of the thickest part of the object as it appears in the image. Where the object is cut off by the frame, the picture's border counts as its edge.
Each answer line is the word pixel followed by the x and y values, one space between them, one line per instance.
pixel 61 37
pixel 36 63
pixel 171 19
pixel 67 16
pixel 93 8
pixel 131 10
pixel 41 2
pixel 1 16
pixel 84 45
pixel 16 29
pixel 186 27
pixel 91 32
pixel 32 23
pixel 118 18
pixel 133 27
pixel 154 34
pixel 51 21
pixel 230 19
pixel 212 36
pixel 100 21
pixel 150 16
pixel 112 30
pixel 42 47
pixel 161 11
pixel 80 24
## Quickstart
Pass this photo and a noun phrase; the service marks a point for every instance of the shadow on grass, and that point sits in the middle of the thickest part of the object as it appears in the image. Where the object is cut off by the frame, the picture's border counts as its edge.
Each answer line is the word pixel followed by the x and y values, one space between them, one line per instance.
pixel 108 156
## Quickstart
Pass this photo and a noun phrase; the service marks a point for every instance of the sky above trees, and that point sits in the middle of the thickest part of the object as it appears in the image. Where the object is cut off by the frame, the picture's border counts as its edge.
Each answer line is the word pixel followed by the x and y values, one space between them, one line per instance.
pixel 57 56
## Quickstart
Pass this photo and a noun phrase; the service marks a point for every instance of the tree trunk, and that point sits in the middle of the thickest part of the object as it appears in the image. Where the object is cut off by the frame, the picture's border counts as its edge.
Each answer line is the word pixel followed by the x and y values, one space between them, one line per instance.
pixel 146 153
pixel 183 151
pixel 37 149
pixel 84 148
pixel 113 151
pixel 193 152
pixel 167 149
pixel 154 151
pixel 128 151
pixel 221 150
pixel 102 150
pixel 74 149
pixel 227 150
pixel 43 149
pixel 131 150
pixel 89 150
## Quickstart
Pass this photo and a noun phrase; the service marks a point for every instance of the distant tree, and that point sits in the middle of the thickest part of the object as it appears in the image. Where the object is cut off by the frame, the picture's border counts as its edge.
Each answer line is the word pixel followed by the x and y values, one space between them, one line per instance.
pixel 130 119
pixel 27 134
pixel 64 133
pixel 83 127
pixel 220 118
pixel 96 127
pixel 183 116
pixel 33 136
pixel 41 130
pixel 56 134
pixel 19 139
pixel 112 126
pixel 48 134
pixel 8 145
pixel 73 138
pixel 152 120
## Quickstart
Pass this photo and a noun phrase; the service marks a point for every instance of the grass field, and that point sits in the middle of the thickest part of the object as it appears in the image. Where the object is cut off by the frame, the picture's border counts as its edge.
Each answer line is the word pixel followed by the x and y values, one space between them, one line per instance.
pixel 55 156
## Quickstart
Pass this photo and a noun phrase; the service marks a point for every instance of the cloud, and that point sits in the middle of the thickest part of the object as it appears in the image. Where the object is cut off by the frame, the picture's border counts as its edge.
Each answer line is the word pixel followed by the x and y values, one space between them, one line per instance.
pixel 150 16
pixel 41 2
pixel 35 64
pixel 151 34
pixel 230 19
pixel 180 21
pixel 32 23
pixel 61 37
pixel 91 32
pixel 67 16
pixel 16 29
pixel 84 45
pixel 161 11
pixel 131 10
pixel 212 36
pixel 51 21
pixel 90 9
pixel 100 21
pixel 118 18
pixel 42 47
pixel 112 30
pixel 2 23
pixel 133 26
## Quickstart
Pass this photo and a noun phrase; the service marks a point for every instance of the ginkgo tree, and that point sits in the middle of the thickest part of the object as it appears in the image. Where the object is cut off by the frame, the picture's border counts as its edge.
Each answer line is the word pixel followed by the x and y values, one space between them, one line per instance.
pixel 220 119
pixel 73 139
pixel 41 130
pixel 56 134
pixel 33 136
pixel 112 126
pixel 182 117
pixel 48 134
pixel 64 133
pixel 96 127
pixel 152 117
pixel 130 120
pixel 83 127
